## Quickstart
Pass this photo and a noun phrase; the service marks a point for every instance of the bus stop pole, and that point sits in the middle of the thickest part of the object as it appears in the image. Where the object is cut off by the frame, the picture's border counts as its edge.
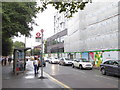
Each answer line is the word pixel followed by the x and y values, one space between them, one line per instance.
pixel 41 77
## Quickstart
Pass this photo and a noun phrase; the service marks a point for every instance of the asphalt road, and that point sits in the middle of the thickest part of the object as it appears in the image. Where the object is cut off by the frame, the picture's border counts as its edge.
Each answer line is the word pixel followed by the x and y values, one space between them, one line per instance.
pixel 76 78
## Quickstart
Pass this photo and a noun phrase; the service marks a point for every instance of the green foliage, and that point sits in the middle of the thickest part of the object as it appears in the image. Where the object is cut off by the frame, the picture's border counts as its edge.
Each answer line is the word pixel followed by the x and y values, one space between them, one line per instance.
pixel 69 7
pixel 18 44
pixel 7 46
pixel 17 16
pixel 28 53
pixel 45 45
pixel 36 52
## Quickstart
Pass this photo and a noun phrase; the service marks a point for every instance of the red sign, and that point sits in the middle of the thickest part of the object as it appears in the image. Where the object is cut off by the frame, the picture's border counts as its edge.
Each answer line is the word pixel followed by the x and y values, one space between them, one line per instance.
pixel 42 30
pixel 38 34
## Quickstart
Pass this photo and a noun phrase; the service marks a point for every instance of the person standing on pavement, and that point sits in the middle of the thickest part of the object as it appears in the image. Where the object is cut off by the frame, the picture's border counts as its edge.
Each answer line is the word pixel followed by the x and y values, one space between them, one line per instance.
pixel 38 65
pixel 9 60
pixel 35 63
pixel 2 62
pixel 5 61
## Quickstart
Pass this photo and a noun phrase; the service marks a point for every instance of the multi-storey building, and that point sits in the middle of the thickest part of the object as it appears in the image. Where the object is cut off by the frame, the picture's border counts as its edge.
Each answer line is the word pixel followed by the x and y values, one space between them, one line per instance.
pixel 95 28
pixel 56 42
pixel 93 32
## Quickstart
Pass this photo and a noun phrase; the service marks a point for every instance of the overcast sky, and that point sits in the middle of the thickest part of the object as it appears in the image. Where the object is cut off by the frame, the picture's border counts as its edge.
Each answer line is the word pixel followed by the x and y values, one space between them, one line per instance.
pixel 45 21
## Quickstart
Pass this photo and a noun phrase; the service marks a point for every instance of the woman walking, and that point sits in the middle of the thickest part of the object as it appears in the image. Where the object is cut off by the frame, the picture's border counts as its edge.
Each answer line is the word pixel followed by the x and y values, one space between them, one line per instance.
pixel 35 63
pixel 38 65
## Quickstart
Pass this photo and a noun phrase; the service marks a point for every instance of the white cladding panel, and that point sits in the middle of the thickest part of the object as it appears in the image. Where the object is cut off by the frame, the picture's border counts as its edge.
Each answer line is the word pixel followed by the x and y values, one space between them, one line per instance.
pixel 95 28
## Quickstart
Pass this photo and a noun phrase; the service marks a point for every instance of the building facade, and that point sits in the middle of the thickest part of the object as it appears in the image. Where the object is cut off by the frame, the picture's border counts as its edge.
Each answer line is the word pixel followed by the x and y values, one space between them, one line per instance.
pixel 95 28
pixel 56 42
pixel 94 33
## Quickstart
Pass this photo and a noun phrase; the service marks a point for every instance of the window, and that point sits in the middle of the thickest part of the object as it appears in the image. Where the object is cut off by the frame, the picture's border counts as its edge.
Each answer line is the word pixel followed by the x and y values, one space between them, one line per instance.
pixel 67 59
pixel 109 62
pixel 62 39
pixel 61 59
pixel 75 60
pixel 115 63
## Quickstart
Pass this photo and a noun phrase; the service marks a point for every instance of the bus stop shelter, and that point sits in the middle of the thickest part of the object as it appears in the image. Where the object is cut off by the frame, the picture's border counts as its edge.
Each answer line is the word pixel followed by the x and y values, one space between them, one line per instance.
pixel 19 60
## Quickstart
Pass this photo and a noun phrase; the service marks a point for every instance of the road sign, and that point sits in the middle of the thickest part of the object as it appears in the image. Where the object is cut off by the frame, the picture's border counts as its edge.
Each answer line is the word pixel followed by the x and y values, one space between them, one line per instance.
pixel 42 30
pixel 38 37
pixel 38 34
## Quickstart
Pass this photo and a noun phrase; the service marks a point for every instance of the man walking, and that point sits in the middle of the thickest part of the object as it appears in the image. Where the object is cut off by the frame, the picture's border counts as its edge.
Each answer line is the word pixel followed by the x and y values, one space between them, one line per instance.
pixel 9 60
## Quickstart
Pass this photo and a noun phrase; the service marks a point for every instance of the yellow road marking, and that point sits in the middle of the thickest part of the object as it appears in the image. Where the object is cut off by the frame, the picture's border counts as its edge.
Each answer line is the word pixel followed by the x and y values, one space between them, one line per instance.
pixel 65 86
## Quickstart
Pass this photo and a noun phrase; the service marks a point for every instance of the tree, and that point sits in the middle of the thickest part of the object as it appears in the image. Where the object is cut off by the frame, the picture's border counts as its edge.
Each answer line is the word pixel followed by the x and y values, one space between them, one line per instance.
pixel 16 17
pixel 7 44
pixel 36 52
pixel 66 6
pixel 18 44
pixel 45 48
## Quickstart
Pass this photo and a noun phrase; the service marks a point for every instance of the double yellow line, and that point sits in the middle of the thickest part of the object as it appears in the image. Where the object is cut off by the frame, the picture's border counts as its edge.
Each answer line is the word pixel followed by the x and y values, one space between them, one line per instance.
pixel 55 80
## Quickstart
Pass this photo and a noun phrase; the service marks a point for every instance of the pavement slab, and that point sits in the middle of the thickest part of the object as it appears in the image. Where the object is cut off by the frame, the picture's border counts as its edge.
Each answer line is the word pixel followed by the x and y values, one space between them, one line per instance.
pixel 25 80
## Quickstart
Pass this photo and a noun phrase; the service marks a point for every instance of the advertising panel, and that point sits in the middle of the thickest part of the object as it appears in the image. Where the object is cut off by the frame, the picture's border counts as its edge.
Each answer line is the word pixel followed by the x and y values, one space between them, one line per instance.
pixel 85 55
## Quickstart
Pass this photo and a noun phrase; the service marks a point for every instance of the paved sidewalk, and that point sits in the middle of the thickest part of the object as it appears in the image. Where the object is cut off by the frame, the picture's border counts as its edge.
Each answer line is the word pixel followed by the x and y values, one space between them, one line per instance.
pixel 96 67
pixel 25 80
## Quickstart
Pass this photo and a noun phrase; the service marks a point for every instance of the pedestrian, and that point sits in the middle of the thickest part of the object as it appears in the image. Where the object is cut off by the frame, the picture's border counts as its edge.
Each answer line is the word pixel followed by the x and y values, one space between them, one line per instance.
pixel 35 63
pixel 5 61
pixel 9 60
pixel 2 62
pixel 38 65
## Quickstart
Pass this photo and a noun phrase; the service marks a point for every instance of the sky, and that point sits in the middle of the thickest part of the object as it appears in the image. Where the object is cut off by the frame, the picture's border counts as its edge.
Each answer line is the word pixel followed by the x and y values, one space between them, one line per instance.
pixel 45 20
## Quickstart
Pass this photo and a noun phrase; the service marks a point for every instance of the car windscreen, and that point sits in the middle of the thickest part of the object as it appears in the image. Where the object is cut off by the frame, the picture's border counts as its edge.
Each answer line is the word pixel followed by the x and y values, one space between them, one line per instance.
pixel 118 62
pixel 84 60
pixel 67 59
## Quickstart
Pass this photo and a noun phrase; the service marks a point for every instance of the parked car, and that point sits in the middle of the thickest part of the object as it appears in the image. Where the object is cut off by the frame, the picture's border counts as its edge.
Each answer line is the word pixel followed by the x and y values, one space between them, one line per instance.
pixel 54 60
pixel 46 59
pixel 82 63
pixel 65 61
pixel 110 67
pixel 43 62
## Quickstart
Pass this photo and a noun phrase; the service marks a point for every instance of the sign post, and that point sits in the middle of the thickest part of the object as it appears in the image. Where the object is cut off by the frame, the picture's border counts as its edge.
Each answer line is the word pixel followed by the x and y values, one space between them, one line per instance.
pixel 41 77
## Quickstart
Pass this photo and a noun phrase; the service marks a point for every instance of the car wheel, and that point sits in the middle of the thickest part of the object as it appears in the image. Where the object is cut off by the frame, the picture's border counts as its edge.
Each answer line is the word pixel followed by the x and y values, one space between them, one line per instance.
pixel 59 64
pixel 80 66
pixel 63 64
pixel 91 68
pixel 103 71
pixel 72 65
